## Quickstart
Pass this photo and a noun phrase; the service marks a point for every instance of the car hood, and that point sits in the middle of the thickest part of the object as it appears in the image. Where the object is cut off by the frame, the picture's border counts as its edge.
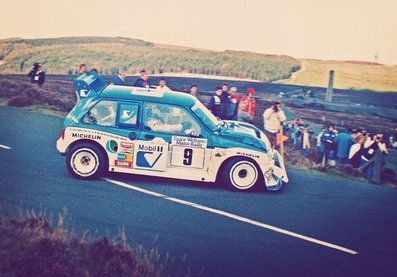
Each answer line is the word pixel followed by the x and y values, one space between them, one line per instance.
pixel 243 133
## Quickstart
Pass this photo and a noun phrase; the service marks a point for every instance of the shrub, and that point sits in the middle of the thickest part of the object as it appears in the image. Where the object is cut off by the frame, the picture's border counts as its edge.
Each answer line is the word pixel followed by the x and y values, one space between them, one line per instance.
pixel 31 247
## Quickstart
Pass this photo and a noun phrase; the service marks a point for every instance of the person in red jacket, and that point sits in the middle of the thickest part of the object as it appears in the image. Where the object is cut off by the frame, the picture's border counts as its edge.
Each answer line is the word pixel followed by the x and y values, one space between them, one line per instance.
pixel 246 108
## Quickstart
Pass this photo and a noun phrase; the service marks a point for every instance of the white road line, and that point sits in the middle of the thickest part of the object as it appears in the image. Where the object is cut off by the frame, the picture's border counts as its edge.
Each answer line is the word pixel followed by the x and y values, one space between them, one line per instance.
pixel 5 147
pixel 233 216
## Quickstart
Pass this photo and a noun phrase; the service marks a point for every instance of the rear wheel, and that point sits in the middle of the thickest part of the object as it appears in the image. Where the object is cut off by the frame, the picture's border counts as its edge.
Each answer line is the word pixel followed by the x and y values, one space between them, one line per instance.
pixel 240 174
pixel 85 161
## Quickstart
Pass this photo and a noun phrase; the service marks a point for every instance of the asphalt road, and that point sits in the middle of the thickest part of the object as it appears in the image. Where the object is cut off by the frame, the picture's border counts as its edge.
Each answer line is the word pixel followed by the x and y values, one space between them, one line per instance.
pixel 319 225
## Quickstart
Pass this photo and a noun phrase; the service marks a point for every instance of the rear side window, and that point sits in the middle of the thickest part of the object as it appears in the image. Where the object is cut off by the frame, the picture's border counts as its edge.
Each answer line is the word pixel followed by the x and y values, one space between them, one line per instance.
pixel 102 114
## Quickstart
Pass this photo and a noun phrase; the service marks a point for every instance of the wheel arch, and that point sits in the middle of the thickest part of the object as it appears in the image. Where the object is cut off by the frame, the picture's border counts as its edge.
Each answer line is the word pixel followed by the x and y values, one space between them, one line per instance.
pixel 94 143
pixel 226 161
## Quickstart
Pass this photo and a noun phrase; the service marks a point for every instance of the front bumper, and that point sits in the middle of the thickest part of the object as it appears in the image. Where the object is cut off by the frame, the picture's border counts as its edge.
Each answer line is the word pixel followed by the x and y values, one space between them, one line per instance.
pixel 276 175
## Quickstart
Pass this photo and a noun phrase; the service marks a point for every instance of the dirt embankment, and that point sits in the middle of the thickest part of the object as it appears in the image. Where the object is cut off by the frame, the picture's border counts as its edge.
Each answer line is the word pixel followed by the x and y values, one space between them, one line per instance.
pixel 348 75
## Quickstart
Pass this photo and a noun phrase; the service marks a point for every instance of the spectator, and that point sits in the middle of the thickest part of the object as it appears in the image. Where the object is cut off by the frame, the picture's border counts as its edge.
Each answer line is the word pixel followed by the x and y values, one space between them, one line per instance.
pixel 356 133
pixel 225 101
pixel 320 146
pixel 119 79
pixel 143 81
pixel 344 141
pixel 37 75
pixel 298 144
pixel 328 139
pixel 368 161
pixel 356 152
pixel 194 92
pixel 163 85
pixel 305 141
pixel 233 104
pixel 246 107
pixel 215 105
pixel 82 68
pixel 273 119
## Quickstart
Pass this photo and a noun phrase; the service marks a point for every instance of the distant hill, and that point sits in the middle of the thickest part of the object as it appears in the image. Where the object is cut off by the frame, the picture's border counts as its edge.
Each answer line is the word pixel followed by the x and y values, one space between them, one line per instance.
pixel 109 54
pixel 348 75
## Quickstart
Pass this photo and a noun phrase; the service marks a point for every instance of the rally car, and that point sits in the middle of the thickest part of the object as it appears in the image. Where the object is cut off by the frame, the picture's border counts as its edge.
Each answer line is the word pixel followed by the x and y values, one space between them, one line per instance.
pixel 165 134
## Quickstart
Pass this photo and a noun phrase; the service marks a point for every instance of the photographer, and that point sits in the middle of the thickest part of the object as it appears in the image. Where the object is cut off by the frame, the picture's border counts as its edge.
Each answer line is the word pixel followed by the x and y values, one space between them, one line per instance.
pixel 372 157
pixel 37 75
pixel 273 119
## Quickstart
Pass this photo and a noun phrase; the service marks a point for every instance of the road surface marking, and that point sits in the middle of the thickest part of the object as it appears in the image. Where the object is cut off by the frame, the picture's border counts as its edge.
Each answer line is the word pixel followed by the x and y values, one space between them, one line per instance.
pixel 233 216
pixel 5 147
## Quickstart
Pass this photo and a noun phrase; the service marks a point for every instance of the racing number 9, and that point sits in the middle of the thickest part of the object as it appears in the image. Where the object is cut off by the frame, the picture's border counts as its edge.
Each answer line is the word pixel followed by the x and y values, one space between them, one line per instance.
pixel 188 156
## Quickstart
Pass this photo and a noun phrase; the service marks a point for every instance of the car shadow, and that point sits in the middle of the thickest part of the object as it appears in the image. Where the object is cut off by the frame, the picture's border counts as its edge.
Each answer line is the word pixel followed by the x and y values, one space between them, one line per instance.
pixel 171 182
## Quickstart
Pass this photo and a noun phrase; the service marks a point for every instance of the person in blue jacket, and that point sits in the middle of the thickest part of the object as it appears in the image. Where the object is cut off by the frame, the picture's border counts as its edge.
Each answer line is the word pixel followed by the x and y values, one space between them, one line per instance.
pixel 143 81
pixel 328 138
pixel 344 141
pixel 215 105
pixel 119 79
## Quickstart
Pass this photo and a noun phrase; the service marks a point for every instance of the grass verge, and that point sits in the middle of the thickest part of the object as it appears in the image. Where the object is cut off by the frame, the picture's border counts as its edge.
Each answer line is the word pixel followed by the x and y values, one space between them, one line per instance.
pixel 30 246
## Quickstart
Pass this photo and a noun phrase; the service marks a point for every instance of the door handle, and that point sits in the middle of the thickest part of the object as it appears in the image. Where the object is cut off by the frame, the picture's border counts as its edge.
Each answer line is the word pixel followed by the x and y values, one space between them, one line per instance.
pixel 149 137
pixel 132 136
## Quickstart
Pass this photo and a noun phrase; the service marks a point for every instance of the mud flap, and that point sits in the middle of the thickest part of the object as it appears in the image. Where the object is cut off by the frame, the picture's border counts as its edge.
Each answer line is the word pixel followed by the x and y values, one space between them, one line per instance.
pixel 278 176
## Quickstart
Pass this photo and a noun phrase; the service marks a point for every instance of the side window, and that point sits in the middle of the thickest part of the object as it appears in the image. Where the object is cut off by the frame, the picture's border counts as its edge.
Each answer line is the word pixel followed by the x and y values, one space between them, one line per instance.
pixel 102 114
pixel 169 119
pixel 128 115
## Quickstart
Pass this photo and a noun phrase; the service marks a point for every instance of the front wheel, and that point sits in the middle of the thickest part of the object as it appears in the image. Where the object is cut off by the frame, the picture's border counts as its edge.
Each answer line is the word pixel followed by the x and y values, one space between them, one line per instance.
pixel 85 161
pixel 240 174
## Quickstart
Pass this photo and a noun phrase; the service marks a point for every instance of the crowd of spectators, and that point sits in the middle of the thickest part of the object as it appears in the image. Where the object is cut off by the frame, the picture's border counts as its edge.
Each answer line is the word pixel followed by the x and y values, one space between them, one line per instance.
pixel 357 148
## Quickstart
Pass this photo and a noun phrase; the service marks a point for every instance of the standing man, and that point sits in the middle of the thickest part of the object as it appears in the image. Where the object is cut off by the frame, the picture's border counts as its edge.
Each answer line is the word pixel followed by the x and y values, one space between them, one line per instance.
pixel 372 148
pixel 119 79
pixel 37 75
pixel 225 101
pixel 233 104
pixel 246 107
pixel 273 119
pixel 143 80
pixel 82 68
pixel 194 92
pixel 344 141
pixel 215 105
pixel 328 139
pixel 163 85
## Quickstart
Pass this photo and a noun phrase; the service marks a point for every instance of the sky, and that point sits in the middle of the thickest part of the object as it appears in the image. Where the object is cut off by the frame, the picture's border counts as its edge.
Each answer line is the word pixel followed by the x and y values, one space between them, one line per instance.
pixel 319 29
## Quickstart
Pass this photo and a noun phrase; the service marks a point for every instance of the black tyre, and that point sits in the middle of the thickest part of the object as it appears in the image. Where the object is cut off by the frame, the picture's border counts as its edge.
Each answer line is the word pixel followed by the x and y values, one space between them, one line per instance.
pixel 85 161
pixel 240 174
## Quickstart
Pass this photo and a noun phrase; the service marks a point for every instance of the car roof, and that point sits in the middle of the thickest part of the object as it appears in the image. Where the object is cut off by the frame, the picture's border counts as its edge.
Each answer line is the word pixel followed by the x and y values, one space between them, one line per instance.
pixel 144 94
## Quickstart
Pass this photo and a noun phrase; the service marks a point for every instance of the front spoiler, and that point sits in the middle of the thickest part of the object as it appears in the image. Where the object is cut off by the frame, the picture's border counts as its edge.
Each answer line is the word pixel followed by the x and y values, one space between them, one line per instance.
pixel 276 175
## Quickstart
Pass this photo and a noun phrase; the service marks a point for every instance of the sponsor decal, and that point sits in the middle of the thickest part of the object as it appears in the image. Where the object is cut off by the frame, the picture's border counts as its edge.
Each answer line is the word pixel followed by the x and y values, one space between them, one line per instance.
pixel 86 136
pixel 150 156
pixel 124 157
pixel 248 155
pixel 111 146
pixel 123 164
pixel 189 142
pixel 127 145
pixel 98 135
pixel 84 92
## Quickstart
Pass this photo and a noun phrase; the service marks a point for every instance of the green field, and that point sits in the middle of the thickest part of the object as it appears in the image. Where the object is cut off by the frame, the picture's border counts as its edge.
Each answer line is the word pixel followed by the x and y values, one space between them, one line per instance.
pixel 63 56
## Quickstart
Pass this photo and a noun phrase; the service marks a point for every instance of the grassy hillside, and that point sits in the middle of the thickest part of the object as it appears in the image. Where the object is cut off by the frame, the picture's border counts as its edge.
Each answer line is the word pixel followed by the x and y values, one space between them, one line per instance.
pixel 63 55
pixel 348 75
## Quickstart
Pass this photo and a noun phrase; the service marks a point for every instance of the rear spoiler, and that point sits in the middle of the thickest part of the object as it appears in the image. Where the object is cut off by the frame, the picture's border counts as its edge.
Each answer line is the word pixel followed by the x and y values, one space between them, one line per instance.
pixel 88 85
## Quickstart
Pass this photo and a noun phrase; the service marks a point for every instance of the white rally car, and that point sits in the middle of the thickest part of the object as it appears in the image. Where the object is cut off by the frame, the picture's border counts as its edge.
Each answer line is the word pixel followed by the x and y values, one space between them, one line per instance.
pixel 165 134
